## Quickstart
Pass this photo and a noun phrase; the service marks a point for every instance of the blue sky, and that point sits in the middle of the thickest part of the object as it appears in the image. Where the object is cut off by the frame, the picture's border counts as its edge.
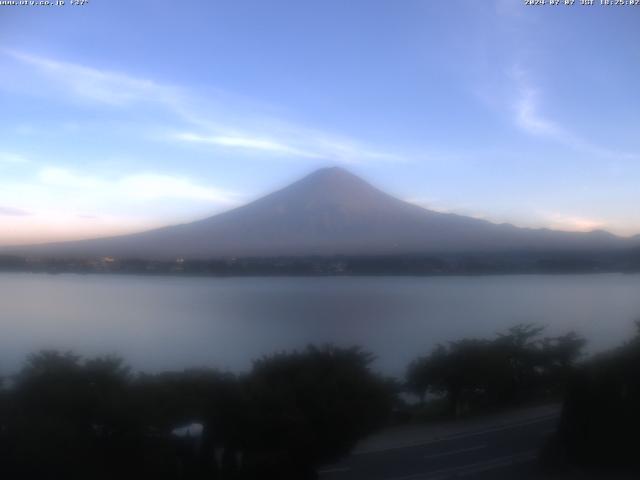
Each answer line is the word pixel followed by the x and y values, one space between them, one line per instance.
pixel 119 116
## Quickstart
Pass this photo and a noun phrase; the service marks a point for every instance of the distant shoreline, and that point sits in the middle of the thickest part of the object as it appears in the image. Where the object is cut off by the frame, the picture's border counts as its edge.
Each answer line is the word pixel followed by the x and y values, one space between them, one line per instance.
pixel 444 265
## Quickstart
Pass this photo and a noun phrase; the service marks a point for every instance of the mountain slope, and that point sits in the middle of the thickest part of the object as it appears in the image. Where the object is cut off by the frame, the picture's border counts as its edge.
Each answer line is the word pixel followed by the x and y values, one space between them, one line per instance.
pixel 331 211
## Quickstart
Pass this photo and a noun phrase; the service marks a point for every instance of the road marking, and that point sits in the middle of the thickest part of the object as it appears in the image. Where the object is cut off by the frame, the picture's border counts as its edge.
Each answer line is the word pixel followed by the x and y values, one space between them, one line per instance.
pixel 472 468
pixel 329 471
pixel 458 436
pixel 455 452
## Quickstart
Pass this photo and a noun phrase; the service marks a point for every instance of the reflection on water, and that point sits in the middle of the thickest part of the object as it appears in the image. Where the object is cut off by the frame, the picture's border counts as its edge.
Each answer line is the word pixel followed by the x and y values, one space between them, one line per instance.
pixel 160 323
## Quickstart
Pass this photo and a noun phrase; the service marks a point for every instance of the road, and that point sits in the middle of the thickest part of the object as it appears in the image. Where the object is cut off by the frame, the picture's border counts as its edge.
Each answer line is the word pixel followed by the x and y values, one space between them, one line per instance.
pixel 500 452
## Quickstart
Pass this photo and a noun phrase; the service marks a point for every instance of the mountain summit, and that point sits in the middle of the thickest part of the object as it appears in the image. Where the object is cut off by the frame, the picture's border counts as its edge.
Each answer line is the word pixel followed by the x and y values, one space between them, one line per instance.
pixel 330 212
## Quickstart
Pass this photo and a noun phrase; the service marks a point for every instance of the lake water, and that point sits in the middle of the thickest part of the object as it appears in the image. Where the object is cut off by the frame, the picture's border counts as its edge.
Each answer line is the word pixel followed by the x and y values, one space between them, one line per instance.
pixel 159 323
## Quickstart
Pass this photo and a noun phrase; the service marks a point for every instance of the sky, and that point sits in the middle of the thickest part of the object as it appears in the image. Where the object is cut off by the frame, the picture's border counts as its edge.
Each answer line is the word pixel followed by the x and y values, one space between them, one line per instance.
pixel 120 116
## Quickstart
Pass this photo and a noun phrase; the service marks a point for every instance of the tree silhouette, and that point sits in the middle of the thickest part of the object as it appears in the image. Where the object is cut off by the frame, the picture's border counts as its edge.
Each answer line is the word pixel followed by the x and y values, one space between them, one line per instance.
pixel 514 367
pixel 600 418
pixel 312 406
pixel 67 418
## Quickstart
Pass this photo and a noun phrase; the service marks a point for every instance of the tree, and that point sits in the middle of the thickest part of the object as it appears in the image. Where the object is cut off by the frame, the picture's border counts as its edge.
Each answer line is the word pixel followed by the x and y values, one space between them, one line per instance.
pixel 600 419
pixel 311 407
pixel 515 366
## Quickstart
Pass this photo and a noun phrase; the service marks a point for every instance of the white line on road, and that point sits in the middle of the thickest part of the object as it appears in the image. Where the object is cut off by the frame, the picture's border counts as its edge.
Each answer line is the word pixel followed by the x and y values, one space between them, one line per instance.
pixel 455 452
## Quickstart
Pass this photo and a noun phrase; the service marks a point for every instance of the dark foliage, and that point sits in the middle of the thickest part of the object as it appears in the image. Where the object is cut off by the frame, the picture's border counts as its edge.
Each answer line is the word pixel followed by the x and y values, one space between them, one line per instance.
pixel 314 405
pixel 601 415
pixel 65 418
pixel 509 369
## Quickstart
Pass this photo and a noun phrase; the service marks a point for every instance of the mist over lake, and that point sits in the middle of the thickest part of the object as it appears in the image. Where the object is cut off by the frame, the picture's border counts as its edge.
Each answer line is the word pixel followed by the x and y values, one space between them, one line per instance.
pixel 168 323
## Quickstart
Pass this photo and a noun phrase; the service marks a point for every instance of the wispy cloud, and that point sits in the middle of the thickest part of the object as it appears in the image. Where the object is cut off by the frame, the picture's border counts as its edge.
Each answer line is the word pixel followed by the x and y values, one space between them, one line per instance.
pixel 13 212
pixel 151 186
pixel 100 85
pixel 301 143
pixel 568 222
pixel 531 219
pixel 12 158
pixel 58 203
pixel 529 117
pixel 142 186
pixel 215 121
pixel 243 142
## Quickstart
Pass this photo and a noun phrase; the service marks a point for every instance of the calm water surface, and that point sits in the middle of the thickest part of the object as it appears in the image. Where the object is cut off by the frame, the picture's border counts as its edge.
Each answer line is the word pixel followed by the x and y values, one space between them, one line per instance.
pixel 161 323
